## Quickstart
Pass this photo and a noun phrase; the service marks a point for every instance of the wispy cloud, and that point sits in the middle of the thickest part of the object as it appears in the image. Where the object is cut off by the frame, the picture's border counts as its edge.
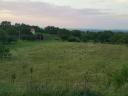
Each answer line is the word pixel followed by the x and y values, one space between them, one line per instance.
pixel 45 14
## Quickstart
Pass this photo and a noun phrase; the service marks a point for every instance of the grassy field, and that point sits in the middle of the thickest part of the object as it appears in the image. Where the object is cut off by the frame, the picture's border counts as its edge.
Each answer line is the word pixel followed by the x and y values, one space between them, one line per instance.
pixel 64 65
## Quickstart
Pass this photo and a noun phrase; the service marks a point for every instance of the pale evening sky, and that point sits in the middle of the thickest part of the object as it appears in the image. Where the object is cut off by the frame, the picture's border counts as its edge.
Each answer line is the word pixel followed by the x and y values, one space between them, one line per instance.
pixel 96 14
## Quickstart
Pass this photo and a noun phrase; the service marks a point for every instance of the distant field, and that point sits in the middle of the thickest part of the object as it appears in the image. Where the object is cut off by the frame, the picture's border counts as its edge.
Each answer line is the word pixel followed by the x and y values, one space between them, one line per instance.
pixel 62 63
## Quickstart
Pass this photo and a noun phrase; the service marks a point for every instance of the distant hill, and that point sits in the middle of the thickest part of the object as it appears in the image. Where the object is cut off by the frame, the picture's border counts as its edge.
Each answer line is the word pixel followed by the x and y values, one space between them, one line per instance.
pixel 100 30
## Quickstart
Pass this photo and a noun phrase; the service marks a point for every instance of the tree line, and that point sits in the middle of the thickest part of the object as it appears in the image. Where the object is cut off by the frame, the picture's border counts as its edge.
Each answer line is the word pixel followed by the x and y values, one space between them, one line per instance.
pixel 17 31
pixel 88 36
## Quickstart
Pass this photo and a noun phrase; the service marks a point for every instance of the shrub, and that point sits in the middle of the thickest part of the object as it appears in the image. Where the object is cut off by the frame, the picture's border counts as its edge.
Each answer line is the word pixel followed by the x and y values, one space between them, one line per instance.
pixel 4 51
pixel 73 39
pixel 121 77
pixel 4 48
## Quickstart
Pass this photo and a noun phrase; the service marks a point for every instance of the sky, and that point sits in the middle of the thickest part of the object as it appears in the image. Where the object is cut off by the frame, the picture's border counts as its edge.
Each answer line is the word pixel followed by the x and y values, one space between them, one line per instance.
pixel 93 14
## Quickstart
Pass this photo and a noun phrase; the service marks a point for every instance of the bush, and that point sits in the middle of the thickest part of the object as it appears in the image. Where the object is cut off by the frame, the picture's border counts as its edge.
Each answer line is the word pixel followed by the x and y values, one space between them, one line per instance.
pixel 120 78
pixel 4 51
pixel 73 39
pixel 4 43
pixel 3 37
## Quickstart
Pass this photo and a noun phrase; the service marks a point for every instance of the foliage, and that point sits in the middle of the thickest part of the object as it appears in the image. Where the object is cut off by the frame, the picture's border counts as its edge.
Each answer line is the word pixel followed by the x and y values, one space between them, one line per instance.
pixel 19 31
pixel 81 36
pixel 60 62
pixel 23 32
pixel 120 77
pixel 4 42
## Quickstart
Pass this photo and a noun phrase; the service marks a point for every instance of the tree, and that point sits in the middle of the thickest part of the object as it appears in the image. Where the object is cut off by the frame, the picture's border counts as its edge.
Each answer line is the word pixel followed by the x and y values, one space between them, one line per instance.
pixel 4 49
pixel 3 37
pixel 5 23
pixel 51 29
pixel 64 34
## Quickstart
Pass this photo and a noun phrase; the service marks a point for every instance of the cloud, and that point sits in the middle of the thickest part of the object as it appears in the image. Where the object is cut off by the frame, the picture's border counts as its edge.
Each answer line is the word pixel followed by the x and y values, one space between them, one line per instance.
pixel 122 1
pixel 44 14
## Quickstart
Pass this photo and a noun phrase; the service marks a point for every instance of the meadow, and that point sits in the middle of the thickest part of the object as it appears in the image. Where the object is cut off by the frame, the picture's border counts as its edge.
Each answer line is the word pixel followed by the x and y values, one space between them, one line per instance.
pixel 54 68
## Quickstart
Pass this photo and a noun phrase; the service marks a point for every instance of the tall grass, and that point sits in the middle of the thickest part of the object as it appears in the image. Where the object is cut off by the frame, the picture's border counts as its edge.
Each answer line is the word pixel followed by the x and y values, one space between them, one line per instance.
pixel 44 90
pixel 65 69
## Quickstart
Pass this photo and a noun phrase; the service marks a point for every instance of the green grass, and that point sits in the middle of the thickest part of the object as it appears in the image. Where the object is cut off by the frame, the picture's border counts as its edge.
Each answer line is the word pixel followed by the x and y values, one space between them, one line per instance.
pixel 63 64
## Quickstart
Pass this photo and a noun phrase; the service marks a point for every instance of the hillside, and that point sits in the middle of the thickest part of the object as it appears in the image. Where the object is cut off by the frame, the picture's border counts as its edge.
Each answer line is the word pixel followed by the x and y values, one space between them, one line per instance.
pixel 61 64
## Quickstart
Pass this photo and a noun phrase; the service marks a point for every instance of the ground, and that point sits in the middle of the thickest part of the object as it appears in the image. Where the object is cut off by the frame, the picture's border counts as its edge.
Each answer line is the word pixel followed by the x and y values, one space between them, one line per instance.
pixel 61 63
